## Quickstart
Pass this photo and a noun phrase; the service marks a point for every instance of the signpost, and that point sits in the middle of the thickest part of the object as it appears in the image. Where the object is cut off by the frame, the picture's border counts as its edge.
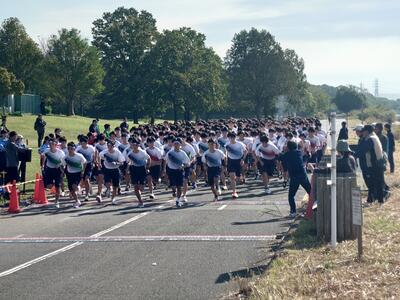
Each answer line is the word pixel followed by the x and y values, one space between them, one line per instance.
pixel 333 182
pixel 357 217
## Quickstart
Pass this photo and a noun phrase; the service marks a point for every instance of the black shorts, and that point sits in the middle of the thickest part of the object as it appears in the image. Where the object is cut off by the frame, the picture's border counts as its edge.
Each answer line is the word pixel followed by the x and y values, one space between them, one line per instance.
pixel 52 176
pixel 176 177
pixel 88 171
pixel 234 166
pixel 249 159
pixel 124 168
pixel 268 166
pixel 138 175
pixel 155 172
pixel 73 179
pixel 12 174
pixel 97 171
pixel 111 176
pixel 213 173
pixel 187 172
pixel 199 162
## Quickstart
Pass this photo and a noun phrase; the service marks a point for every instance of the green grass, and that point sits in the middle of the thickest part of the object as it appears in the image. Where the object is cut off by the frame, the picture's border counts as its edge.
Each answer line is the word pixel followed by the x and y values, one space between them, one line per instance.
pixel 71 127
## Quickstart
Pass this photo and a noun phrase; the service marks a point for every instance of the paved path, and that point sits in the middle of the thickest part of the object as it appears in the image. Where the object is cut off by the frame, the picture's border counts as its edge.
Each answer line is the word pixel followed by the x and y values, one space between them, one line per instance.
pixel 124 252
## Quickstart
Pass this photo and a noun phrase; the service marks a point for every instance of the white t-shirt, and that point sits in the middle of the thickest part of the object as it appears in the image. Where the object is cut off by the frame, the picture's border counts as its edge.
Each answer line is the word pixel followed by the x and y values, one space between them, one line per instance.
pixel 88 152
pixel 137 159
pixel 74 163
pixel 155 155
pixel 222 142
pixel 177 159
pixel 315 143
pixel 189 150
pixel 213 159
pixel 111 160
pixel 203 147
pixel 236 150
pixel 269 152
pixel 53 159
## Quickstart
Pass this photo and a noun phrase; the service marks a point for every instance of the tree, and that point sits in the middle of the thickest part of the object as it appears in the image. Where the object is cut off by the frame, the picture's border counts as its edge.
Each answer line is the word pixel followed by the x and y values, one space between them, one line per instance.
pixel 348 99
pixel 73 69
pixel 9 85
pixel 186 74
pixel 18 52
pixel 259 70
pixel 124 37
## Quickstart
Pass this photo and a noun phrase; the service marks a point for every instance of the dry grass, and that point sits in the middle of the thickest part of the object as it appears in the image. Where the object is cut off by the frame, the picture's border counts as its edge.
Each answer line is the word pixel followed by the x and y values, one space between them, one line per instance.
pixel 309 269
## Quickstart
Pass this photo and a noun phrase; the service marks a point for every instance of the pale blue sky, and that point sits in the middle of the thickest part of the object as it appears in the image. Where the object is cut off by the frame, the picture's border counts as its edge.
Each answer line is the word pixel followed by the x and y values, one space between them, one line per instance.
pixel 342 42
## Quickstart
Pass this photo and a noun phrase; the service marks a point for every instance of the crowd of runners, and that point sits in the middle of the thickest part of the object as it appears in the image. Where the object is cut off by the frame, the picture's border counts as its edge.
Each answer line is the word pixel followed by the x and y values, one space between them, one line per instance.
pixel 220 154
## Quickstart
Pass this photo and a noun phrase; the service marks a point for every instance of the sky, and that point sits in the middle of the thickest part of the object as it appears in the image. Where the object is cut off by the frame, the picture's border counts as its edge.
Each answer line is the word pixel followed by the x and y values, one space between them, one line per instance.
pixel 341 41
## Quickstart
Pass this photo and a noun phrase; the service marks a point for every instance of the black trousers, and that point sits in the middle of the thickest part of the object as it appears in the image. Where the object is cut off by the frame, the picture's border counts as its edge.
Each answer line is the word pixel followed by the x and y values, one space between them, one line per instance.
pixel 391 161
pixel 375 180
pixel 40 137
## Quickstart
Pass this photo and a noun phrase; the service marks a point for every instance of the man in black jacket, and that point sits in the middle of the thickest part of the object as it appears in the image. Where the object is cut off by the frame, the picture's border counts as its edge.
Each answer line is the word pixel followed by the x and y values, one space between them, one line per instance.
pixel 12 158
pixel 344 132
pixel 391 146
pixel 39 126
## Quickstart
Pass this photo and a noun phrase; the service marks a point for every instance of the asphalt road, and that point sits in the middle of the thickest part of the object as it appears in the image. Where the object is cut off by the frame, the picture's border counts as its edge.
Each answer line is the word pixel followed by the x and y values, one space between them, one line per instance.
pixel 124 252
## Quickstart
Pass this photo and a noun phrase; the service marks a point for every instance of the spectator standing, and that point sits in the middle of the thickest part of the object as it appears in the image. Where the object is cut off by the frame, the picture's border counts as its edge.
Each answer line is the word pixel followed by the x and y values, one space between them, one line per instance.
pixel 4 123
pixel 39 126
pixel 12 158
pixel 391 146
pixel 344 132
pixel 346 163
pixel 381 136
pixel 94 127
pixel 370 153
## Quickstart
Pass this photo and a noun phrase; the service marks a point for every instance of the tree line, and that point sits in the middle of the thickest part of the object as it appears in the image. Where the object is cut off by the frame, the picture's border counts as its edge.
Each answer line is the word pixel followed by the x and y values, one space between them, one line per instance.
pixel 132 69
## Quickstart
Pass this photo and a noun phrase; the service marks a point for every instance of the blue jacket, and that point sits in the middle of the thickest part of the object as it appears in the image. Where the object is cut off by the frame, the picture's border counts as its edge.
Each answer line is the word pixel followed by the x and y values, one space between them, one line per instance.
pixel 293 162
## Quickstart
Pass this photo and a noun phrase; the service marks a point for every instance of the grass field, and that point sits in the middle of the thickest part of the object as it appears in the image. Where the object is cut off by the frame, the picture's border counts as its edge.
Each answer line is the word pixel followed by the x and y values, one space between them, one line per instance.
pixel 71 127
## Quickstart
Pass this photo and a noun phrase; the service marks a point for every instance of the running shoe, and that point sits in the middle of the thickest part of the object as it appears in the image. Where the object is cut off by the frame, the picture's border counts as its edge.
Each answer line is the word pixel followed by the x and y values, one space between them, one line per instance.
pixel 268 191
pixel 86 198
pixel 113 201
pixel 62 194
pixel 173 194
pixel 152 197
pixel 219 190
pixel 292 215
pixel 224 187
pixel 216 198
pixel 77 204
pixel 235 195
pixel 57 204
pixel 178 203
pixel 98 198
pixel 141 205
pixel 194 185
pixel 127 188
pixel 184 199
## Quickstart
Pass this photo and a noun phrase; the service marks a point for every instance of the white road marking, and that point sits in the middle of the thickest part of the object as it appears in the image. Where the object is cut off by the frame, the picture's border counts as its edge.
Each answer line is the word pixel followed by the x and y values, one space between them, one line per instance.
pixel 222 207
pixel 137 238
pixel 69 247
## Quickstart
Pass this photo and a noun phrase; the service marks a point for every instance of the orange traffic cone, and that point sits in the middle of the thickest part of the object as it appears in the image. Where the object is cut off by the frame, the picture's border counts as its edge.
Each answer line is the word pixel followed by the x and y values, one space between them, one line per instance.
pixel 42 199
pixel 14 200
pixel 36 191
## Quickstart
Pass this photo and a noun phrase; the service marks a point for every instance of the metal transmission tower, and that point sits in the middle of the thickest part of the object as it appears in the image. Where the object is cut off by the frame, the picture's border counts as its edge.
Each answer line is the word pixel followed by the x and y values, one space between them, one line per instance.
pixel 376 88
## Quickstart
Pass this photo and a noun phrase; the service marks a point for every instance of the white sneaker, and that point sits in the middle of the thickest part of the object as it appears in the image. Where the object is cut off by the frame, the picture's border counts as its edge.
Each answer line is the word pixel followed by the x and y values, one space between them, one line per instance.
pixel 292 215
pixel 224 188
pixel 98 198
pixel 152 196
pixel 216 198
pixel 184 199
pixel 86 198
pixel 178 202
pixel 57 204
pixel 62 194
pixel 141 205
pixel 219 190
pixel 113 201
pixel 77 204
pixel 268 191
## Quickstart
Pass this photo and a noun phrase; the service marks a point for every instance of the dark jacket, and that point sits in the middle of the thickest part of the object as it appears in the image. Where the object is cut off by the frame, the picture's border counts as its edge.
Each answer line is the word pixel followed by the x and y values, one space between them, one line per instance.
pixel 343 134
pixel 365 146
pixel 346 164
pixel 39 125
pixel 384 142
pixel 11 154
pixel 293 162
pixel 391 143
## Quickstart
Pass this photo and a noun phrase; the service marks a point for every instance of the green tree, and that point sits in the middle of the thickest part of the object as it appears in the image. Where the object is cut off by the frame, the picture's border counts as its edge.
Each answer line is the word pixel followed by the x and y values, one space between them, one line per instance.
pixel 18 52
pixel 9 85
pixel 259 70
pixel 348 99
pixel 124 38
pixel 73 69
pixel 185 74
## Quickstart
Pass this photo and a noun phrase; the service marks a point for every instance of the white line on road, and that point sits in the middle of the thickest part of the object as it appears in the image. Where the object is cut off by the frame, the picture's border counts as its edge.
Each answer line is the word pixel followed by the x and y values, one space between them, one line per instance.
pixel 69 247
pixel 222 207
pixel 137 238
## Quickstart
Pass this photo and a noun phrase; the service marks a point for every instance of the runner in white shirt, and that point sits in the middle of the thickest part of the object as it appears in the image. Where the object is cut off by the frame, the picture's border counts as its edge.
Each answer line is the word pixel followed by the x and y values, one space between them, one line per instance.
pixel 177 160
pixel 191 153
pixel 222 142
pixel 155 165
pixel 236 151
pixel 51 168
pixel 315 145
pixel 75 163
pixel 98 169
pixel 139 163
pixel 122 146
pixel 213 159
pixel 266 154
pixel 112 160
pixel 88 152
